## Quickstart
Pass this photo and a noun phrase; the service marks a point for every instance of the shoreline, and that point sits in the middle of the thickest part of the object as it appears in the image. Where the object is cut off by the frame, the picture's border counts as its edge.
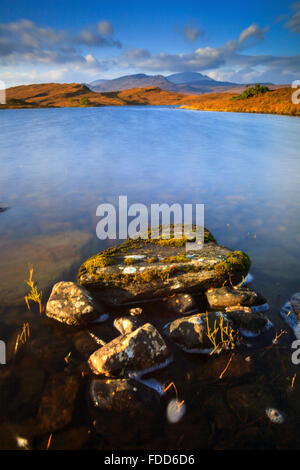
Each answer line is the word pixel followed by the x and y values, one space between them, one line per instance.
pixel 186 107
pixel 50 95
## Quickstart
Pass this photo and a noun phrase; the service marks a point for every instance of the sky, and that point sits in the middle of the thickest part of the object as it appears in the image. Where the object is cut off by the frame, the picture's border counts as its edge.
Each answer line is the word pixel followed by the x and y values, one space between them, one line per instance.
pixel 70 41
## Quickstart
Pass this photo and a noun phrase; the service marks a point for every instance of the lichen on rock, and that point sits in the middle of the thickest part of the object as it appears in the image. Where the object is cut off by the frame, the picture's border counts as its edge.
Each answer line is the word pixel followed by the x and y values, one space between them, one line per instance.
pixel 131 353
pixel 160 267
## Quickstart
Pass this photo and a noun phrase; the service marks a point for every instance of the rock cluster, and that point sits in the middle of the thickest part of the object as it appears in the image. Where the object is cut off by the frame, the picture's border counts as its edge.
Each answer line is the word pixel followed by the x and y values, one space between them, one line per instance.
pixel 209 311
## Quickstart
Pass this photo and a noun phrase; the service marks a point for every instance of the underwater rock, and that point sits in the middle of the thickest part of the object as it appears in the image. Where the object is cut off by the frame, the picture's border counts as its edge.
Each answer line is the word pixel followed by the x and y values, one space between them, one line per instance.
pixel 72 304
pixel 69 439
pixel 202 332
pixel 135 352
pixel 175 411
pixel 57 404
pixel 248 323
pixel 275 416
pixel 180 303
pixel 123 395
pixel 250 401
pixel 52 255
pixel 222 297
pixel 135 311
pixel 124 410
pixel 164 269
pixel 290 312
pixel 127 324
pixel 51 353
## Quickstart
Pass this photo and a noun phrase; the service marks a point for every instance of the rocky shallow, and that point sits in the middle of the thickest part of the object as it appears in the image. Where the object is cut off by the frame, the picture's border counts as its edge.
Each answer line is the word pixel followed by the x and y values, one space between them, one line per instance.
pixel 120 331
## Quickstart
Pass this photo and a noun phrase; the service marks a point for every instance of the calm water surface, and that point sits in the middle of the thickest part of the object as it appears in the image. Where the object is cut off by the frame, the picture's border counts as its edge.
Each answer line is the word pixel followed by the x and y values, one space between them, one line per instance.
pixel 57 165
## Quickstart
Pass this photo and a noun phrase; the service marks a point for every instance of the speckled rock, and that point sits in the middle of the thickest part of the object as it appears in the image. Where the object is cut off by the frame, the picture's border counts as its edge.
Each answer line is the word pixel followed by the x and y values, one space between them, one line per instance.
pixel 180 303
pixel 128 324
pixel 190 333
pixel 143 269
pixel 72 304
pixel 222 297
pixel 134 352
pixel 135 311
pixel 248 323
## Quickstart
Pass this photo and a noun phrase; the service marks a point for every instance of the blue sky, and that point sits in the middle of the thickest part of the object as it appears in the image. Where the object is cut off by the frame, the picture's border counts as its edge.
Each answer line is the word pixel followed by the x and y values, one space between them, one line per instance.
pixel 72 41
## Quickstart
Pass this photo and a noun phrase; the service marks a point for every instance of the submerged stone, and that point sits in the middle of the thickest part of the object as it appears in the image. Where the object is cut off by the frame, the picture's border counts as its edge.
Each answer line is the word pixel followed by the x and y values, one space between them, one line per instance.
pixel 57 404
pixel 290 312
pixel 124 410
pixel 202 332
pixel 248 323
pixel 160 267
pixel 71 304
pixel 123 395
pixel 230 296
pixel 180 303
pixel 133 353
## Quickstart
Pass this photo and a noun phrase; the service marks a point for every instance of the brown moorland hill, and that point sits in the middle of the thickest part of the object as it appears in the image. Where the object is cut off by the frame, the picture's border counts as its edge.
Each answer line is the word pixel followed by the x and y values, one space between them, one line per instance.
pixel 48 95
pixel 278 101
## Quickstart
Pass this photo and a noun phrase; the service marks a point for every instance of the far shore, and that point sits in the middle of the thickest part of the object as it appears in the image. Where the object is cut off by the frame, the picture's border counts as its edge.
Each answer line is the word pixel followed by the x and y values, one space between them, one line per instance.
pixel 73 95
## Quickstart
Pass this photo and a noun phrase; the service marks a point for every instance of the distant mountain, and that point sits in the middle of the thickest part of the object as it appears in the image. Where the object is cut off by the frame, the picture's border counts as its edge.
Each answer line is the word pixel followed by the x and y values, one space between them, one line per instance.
pixel 139 80
pixel 188 77
pixel 191 83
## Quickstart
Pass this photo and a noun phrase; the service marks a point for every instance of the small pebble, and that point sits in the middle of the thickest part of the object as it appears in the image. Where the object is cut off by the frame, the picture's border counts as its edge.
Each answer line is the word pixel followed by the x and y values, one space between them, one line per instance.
pixel 175 411
pixel 275 416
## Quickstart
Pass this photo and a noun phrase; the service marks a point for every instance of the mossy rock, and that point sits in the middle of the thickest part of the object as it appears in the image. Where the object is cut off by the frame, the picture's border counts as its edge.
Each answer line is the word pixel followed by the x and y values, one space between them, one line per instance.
pixel 145 268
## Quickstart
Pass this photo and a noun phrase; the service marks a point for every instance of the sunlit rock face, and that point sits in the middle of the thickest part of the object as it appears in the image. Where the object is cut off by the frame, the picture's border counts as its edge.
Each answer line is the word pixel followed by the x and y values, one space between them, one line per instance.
pixel 135 352
pixel 128 324
pixel 72 304
pixel 148 268
pixel 229 296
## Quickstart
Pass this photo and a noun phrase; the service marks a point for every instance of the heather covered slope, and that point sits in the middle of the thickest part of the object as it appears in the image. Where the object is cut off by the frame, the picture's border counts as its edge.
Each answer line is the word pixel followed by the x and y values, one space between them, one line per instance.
pixel 278 101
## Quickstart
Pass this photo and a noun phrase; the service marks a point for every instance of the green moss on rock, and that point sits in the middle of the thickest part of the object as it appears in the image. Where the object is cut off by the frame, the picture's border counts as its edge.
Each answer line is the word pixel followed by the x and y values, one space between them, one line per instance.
pixel 237 261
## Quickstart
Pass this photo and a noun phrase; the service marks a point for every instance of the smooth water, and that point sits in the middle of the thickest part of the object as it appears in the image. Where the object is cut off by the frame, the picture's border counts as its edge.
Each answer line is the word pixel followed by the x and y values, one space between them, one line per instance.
pixel 58 165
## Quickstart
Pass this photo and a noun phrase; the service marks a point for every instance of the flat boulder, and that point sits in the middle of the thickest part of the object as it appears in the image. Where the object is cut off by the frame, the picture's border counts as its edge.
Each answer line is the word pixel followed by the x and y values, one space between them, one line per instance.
pixel 222 297
pixel 157 267
pixel 202 332
pixel 133 353
pixel 72 304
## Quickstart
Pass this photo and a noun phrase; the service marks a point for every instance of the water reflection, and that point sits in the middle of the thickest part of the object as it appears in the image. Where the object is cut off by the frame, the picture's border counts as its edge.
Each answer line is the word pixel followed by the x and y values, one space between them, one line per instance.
pixel 59 164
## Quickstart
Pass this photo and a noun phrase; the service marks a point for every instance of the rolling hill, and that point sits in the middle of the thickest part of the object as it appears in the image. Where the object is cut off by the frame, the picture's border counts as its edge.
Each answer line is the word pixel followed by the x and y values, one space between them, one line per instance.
pixel 49 95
